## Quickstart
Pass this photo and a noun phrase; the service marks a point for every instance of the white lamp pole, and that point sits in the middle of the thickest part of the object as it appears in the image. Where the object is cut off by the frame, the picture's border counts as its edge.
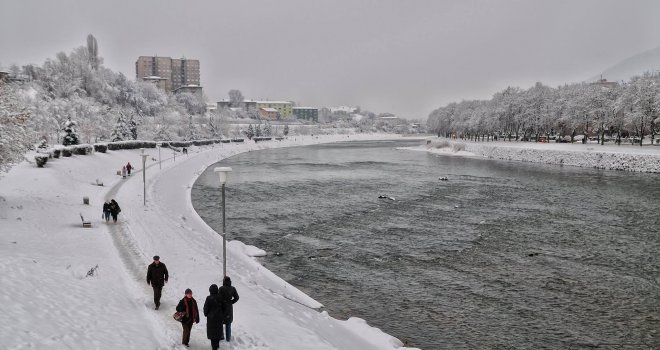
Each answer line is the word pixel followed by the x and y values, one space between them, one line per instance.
pixel 223 172
pixel 159 162
pixel 144 177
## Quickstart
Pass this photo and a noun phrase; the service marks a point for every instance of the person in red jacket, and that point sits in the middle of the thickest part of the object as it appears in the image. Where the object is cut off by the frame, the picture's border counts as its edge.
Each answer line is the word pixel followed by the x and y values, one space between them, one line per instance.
pixel 188 305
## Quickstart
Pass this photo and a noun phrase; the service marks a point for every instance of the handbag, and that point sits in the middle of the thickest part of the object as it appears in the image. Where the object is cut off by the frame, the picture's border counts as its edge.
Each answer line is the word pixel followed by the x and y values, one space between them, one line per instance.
pixel 179 315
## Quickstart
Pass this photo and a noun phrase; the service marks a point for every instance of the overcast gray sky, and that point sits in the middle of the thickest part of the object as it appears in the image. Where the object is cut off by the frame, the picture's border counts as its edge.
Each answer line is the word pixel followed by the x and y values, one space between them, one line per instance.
pixel 405 57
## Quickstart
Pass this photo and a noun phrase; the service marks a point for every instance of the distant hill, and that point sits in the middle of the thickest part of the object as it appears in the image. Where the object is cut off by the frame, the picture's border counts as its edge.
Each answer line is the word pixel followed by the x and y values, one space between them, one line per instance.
pixel 634 65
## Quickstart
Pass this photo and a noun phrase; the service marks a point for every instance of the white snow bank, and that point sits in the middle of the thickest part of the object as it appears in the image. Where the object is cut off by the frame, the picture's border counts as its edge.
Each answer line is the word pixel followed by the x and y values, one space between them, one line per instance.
pixel 54 295
pixel 251 250
pixel 611 157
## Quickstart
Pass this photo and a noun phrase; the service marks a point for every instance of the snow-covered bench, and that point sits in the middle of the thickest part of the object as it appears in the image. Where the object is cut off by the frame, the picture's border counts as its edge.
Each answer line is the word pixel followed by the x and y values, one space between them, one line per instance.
pixel 85 223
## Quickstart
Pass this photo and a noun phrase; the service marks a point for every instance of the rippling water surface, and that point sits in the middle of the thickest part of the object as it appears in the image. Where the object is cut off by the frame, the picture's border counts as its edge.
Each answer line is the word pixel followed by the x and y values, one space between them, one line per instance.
pixel 504 255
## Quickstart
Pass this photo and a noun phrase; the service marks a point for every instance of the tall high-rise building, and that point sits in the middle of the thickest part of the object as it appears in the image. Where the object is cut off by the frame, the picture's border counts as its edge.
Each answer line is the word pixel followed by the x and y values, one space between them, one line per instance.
pixel 167 73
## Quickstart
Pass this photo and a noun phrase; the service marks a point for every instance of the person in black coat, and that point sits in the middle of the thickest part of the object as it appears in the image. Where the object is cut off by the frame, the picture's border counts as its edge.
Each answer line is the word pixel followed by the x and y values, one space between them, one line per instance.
pixel 188 305
pixel 157 276
pixel 106 211
pixel 114 209
pixel 229 297
pixel 214 317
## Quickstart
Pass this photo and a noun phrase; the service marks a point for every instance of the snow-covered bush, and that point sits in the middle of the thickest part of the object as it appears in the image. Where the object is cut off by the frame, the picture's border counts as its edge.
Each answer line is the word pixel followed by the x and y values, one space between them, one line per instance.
pixel 56 152
pixel 82 149
pixel 100 147
pixel 180 143
pixel 114 146
pixel 66 152
pixel 41 160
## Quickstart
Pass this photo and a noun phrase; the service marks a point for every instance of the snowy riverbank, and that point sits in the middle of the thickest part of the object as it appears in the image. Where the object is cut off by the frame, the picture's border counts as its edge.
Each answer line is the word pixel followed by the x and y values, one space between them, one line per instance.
pixel 611 157
pixel 64 286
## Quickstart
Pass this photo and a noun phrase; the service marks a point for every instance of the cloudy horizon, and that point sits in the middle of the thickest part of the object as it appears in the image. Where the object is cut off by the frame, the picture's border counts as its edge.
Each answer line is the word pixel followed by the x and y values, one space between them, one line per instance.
pixel 385 56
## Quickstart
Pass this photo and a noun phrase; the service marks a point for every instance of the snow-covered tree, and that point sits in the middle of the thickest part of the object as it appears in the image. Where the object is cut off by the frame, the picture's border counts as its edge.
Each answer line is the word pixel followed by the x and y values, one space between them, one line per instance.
pixel 286 130
pixel 235 98
pixel 250 132
pixel 122 131
pixel 133 128
pixel 257 131
pixel 14 136
pixel 191 130
pixel 71 136
pixel 267 129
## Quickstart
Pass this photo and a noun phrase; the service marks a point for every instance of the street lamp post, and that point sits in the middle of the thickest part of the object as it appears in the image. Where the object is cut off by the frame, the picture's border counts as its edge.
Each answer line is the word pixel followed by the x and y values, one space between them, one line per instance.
pixel 223 172
pixel 159 162
pixel 144 177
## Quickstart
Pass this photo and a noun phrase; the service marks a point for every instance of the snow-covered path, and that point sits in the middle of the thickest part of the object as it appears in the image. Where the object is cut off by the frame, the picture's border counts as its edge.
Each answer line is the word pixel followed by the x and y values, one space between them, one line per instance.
pixel 114 308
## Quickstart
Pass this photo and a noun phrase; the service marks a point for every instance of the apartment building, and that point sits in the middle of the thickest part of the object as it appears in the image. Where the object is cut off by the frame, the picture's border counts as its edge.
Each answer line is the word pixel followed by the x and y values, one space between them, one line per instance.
pixel 167 73
pixel 284 108
pixel 306 113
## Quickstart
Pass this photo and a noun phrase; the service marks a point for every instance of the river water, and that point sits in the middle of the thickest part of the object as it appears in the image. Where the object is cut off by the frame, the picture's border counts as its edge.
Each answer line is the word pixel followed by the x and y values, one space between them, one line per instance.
pixel 503 255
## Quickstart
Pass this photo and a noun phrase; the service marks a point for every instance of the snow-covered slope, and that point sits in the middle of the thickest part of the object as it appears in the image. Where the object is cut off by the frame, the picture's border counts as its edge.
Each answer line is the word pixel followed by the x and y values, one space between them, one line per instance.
pixel 624 157
pixel 64 286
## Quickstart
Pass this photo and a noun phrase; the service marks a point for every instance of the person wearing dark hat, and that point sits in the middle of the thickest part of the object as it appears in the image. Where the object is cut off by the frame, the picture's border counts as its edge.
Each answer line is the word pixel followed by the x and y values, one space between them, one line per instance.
pixel 188 305
pixel 229 297
pixel 214 317
pixel 157 277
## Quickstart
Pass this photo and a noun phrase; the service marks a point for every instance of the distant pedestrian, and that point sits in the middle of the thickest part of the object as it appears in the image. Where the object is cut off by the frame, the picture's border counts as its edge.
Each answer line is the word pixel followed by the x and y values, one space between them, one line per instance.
pixel 114 209
pixel 106 211
pixel 185 151
pixel 229 297
pixel 157 276
pixel 123 172
pixel 188 305
pixel 129 167
pixel 214 317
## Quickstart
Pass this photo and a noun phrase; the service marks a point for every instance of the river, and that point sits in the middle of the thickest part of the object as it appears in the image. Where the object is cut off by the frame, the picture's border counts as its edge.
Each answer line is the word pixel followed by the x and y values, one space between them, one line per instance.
pixel 503 255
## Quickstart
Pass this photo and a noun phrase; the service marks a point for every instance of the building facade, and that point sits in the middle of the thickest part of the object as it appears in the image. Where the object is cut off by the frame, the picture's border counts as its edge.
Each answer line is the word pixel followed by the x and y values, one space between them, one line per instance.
pixel 284 108
pixel 306 113
pixel 167 73
pixel 268 113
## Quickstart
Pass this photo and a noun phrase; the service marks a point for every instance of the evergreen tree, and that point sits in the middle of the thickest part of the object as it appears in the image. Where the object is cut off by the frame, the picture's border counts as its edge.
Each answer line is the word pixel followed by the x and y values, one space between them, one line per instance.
pixel 250 132
pixel 267 130
pixel 121 131
pixel 257 131
pixel 71 137
pixel 132 126
pixel 286 130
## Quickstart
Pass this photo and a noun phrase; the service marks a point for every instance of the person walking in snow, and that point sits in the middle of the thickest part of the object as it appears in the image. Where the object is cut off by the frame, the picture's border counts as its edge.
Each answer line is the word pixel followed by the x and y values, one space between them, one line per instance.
pixel 229 297
pixel 114 209
pixel 123 172
pixel 188 305
pixel 106 211
pixel 214 317
pixel 157 276
pixel 129 167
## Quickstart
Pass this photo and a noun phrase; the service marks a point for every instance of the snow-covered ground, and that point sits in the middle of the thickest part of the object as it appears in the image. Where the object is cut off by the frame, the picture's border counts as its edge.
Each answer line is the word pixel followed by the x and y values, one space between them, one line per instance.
pixel 63 286
pixel 612 157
